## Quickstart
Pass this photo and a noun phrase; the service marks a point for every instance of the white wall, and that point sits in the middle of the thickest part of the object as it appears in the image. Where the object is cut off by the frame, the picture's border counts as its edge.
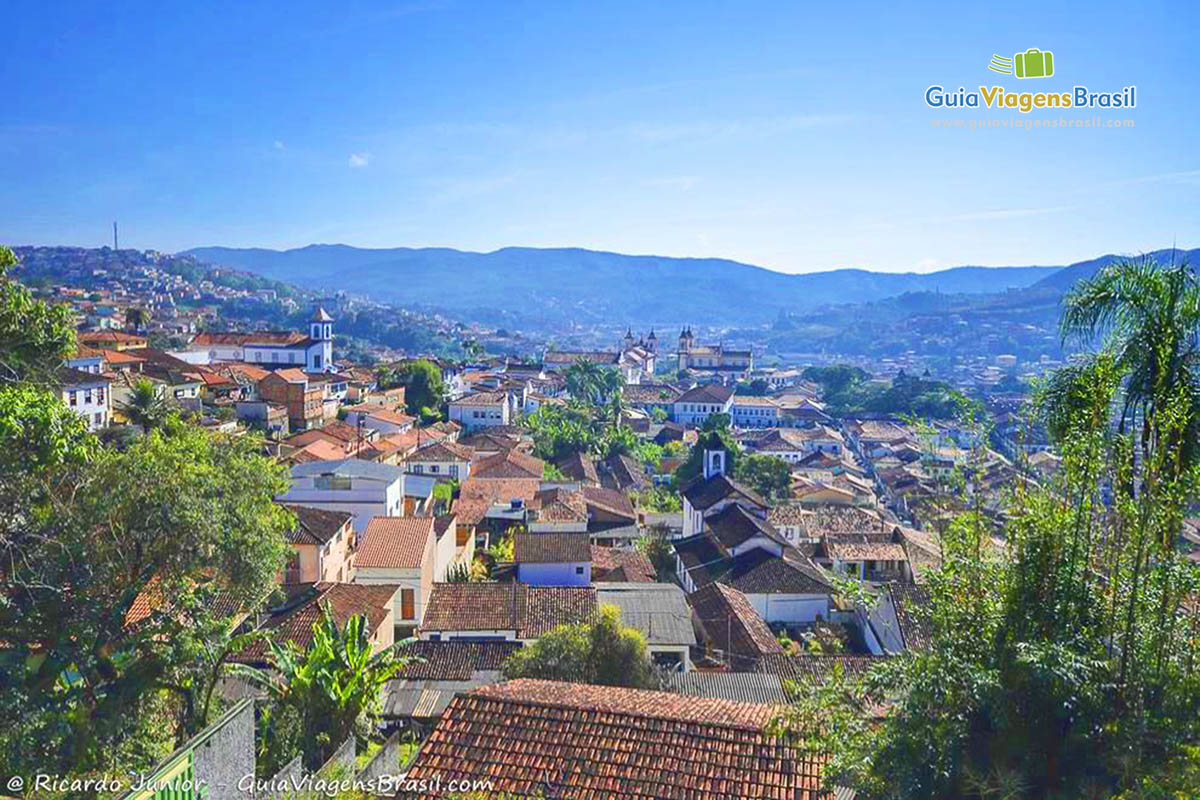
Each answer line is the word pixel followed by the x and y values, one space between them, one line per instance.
pixel 555 574
pixel 790 607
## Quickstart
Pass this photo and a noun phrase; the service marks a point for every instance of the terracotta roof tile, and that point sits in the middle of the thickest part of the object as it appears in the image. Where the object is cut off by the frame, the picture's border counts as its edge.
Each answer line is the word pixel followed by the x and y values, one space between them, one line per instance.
pixel 529 610
pixel 531 737
pixel 293 621
pixel 453 660
pixel 394 542
pixel 732 624
pixel 508 464
pixel 551 548
pixel 315 525
pixel 628 566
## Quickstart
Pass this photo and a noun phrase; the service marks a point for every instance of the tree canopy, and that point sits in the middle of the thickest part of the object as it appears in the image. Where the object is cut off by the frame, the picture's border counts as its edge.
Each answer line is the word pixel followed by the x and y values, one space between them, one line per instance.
pixel 602 652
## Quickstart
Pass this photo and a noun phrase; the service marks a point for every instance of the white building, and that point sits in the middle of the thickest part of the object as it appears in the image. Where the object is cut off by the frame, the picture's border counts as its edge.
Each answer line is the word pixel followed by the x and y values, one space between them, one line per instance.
pixel 313 352
pixel 480 410
pixel 697 404
pixel 88 395
pixel 366 489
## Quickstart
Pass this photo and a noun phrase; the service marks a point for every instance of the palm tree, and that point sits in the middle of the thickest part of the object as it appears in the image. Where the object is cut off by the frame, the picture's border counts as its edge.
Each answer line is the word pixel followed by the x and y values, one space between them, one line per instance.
pixel 145 407
pixel 584 379
pixel 136 318
pixel 1149 318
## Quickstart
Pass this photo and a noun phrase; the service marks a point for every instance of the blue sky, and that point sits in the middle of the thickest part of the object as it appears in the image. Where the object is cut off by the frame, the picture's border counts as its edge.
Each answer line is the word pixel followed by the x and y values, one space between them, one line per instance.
pixel 790 135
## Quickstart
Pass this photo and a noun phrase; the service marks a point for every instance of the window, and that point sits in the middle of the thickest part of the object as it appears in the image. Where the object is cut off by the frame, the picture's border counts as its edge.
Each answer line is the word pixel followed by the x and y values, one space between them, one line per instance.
pixel 74 401
pixel 433 468
pixel 99 418
pixel 579 570
pixel 275 355
pixel 99 395
pixel 87 396
pixel 407 603
pixel 454 470
pixel 418 469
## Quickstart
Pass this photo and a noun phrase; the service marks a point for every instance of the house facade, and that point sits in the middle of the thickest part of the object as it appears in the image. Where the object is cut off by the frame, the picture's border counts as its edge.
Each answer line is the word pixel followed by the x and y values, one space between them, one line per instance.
pixel 480 410
pixel 363 488
pixel 88 395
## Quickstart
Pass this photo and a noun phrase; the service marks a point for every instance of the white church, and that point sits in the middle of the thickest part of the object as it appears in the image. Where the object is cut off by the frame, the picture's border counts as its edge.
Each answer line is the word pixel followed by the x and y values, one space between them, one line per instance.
pixel 312 352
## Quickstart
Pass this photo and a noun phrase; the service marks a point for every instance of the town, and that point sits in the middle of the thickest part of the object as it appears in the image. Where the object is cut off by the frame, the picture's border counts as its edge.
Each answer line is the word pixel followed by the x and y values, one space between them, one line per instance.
pixel 697 537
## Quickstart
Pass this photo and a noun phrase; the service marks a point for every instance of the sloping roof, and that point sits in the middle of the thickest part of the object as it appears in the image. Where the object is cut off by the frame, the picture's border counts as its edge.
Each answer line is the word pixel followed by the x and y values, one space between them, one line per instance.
pixel 626 472
pixel 732 624
pixel 291 375
pixel 315 525
pixel 706 393
pixel 508 464
pixel 394 543
pixel 551 548
pixel 482 399
pixel 293 621
pixel 350 468
pixel 69 376
pixel 760 572
pixel 382 414
pixel 734 526
pixel 810 669
pixel 608 500
pixel 453 660
pixel 208 338
pixel 659 610
pixel 530 737
pixel 703 493
pixel 476 496
pixel 559 504
pixel 529 610
pixel 578 466
pixel 614 564
pixel 746 687
pixel 443 451
pixel 865 546
pixel 910 601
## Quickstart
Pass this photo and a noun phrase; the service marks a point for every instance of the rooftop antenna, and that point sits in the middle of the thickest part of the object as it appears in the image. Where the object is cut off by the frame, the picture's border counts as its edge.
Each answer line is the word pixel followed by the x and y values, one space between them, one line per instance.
pixel 115 247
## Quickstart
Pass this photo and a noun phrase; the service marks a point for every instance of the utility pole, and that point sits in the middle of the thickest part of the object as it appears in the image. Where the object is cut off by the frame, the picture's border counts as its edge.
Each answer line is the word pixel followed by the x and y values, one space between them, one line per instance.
pixel 115 246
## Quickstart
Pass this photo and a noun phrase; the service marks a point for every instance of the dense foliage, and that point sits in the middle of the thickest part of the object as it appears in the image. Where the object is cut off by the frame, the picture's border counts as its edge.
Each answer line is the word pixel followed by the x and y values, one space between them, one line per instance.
pixel 120 570
pixel 848 391
pixel 321 697
pixel 602 652
pixel 1061 663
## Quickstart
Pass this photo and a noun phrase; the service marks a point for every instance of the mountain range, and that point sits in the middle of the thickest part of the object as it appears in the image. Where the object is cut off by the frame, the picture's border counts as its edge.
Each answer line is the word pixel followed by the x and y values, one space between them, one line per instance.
pixel 589 286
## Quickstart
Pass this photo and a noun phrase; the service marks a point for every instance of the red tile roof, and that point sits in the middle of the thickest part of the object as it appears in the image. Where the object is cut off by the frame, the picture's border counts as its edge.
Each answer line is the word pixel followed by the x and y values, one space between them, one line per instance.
pixel 732 624
pixel 551 548
pixel 394 542
pixel 531 737
pixel 508 464
pixel 476 496
pixel 315 525
pixel 293 621
pixel 613 564
pixel 530 611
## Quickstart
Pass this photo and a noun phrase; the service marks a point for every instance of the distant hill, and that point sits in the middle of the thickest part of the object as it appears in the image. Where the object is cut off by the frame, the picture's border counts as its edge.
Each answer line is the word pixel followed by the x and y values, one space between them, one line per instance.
pixel 1066 277
pixel 589 285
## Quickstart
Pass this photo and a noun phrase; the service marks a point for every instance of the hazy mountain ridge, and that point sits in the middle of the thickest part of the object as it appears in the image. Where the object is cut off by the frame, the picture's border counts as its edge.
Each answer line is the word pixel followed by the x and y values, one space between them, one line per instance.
pixel 594 284
pixel 587 285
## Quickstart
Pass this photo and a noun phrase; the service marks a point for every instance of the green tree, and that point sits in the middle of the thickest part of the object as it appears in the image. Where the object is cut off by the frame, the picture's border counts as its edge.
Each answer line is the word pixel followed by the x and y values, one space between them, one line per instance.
pixel 146 407
pixel 1148 317
pixel 169 525
pixel 602 652
pixel 1063 665
pixel 321 697
pixel 423 388
pixel 35 337
pixel 770 476
pixel 136 318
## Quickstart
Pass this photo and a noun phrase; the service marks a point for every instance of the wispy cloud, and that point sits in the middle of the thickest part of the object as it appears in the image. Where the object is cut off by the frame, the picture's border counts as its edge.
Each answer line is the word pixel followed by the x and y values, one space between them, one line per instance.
pixel 682 183
pixel 1189 177
pixel 995 214
pixel 359 160
pixel 748 128
pixel 278 145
